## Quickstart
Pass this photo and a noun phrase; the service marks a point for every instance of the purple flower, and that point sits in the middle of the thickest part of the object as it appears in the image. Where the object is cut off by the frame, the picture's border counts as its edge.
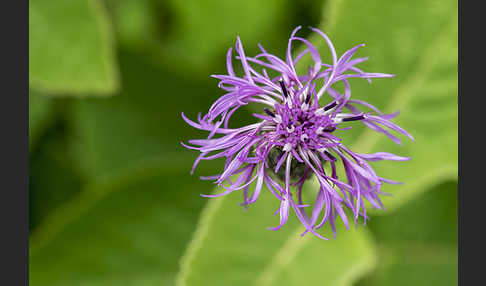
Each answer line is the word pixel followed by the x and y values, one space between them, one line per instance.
pixel 293 138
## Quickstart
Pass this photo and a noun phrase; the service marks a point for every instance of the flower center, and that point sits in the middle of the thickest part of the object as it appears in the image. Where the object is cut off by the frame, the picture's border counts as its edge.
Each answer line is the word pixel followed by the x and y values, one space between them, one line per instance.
pixel 301 125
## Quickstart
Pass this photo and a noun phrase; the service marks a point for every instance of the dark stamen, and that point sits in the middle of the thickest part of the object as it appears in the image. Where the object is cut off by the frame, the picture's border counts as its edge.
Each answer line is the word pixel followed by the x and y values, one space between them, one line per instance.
pixel 307 98
pixel 330 156
pixel 330 105
pixel 268 112
pixel 330 129
pixel 284 89
pixel 359 117
pixel 307 123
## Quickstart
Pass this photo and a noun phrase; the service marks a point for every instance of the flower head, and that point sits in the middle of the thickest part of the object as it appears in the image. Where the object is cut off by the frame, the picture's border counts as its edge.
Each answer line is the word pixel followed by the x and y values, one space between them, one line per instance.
pixel 293 137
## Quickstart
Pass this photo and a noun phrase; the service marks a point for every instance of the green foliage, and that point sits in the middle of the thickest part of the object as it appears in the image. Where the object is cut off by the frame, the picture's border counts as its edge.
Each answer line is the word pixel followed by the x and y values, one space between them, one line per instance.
pixel 143 124
pixel 112 202
pixel 195 35
pixel 418 243
pixel 130 232
pixel 71 48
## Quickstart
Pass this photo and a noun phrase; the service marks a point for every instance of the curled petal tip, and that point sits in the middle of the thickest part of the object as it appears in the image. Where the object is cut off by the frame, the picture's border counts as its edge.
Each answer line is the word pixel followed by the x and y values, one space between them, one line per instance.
pixel 274 228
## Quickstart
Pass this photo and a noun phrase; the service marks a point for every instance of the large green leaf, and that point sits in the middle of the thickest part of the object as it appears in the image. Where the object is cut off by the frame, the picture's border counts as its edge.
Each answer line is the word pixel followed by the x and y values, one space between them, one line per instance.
pixel 425 89
pixel 129 230
pixel 232 247
pixel 71 48
pixel 417 244
pixel 428 104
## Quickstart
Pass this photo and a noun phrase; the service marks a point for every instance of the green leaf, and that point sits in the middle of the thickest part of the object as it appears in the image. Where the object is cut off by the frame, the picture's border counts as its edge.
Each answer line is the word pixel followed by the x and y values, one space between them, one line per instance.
pixel 425 89
pixel 128 230
pixel 71 48
pixel 233 247
pixel 424 252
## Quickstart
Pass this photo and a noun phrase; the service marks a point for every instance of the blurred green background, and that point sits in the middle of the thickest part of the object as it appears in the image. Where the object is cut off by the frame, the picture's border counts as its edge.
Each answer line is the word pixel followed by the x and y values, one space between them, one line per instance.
pixel 111 198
